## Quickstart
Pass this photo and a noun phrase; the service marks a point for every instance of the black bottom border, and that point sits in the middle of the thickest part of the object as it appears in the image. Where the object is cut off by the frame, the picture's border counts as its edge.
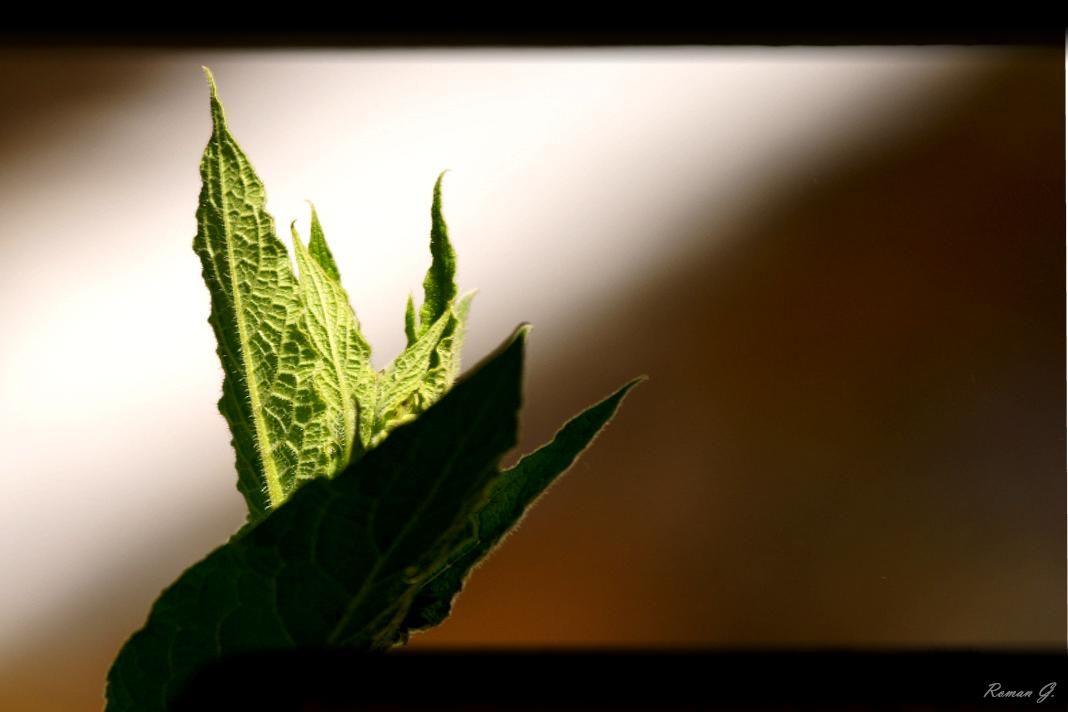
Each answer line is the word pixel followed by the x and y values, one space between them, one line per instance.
pixel 498 679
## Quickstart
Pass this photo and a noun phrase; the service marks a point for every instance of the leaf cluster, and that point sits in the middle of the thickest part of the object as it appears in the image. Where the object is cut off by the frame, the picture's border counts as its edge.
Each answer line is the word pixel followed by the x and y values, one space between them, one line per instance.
pixel 371 494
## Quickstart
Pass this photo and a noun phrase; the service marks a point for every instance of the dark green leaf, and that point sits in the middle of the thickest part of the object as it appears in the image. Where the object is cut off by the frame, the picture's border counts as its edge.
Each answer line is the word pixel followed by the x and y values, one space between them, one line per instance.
pixel 511 495
pixel 340 562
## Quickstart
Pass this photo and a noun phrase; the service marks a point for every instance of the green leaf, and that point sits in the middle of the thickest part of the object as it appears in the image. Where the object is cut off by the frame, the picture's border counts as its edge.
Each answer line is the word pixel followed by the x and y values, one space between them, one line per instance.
pixel 409 321
pixel 511 495
pixel 269 398
pixel 381 544
pixel 346 379
pixel 439 285
pixel 445 365
pixel 463 308
pixel 399 383
pixel 342 560
pixel 319 250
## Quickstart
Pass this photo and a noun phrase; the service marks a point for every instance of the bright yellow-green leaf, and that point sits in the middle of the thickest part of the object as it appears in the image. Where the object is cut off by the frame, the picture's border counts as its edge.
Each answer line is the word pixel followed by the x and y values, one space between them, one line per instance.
pixel 269 397
pixel 401 382
pixel 346 378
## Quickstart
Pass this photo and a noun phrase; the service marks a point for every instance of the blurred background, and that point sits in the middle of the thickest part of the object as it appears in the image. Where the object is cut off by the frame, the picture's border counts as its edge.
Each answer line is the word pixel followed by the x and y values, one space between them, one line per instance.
pixel 841 269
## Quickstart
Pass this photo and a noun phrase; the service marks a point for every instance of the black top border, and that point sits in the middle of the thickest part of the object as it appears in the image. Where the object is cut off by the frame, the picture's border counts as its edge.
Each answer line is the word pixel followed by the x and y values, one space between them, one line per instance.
pixel 384 34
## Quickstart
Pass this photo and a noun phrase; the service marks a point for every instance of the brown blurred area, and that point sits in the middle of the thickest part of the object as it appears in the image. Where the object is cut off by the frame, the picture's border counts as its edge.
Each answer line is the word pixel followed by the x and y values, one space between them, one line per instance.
pixel 853 433
pixel 854 429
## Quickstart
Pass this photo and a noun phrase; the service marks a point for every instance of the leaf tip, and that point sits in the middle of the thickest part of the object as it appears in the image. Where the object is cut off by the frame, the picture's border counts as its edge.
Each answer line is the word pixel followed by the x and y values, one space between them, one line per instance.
pixel 435 205
pixel 211 80
pixel 218 118
pixel 521 332
pixel 629 385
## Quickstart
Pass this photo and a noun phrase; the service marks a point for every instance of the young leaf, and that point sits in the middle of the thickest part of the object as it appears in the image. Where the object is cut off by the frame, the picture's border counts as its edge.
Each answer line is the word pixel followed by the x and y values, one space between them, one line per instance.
pixel 445 364
pixel 402 380
pixel 347 380
pixel 510 496
pixel 341 562
pixel 269 398
pixel 319 250
pixel 439 285
pixel 409 321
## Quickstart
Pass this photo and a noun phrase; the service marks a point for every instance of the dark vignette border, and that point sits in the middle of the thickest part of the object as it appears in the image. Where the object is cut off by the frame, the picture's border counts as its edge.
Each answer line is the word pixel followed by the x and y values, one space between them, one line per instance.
pixel 619 679
pixel 370 27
